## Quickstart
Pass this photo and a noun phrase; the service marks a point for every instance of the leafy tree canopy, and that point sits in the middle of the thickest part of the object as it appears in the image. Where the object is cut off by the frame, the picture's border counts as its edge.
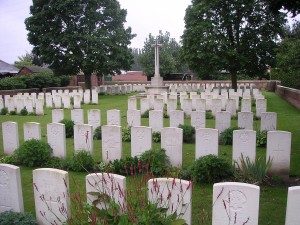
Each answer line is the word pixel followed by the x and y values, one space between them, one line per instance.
pixel 24 60
pixel 169 55
pixel 80 35
pixel 232 35
pixel 293 6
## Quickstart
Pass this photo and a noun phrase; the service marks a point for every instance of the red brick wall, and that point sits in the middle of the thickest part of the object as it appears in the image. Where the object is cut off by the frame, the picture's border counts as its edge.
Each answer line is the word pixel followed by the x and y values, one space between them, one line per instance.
pixel 289 94
pixel 25 71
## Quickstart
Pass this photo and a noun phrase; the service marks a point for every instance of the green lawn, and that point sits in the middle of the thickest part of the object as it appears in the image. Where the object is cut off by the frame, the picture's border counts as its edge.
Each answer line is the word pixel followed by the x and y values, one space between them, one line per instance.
pixel 272 198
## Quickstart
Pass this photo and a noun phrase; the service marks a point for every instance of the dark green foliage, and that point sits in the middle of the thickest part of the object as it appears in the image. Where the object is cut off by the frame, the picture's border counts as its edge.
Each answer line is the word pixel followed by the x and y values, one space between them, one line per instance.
pixel 127 166
pixel 24 112
pixel 10 83
pixel 4 111
pixel 145 114
pixel 156 136
pixel 40 80
pixel 9 159
pixel 157 160
pixel 69 125
pixel 54 162
pixel 83 161
pixel 227 135
pixel 97 133
pixel 208 115
pixel 126 134
pixel 261 138
pixel 64 80
pixel 210 169
pixel 33 153
pixel 188 133
pixel 16 218
pixel 13 113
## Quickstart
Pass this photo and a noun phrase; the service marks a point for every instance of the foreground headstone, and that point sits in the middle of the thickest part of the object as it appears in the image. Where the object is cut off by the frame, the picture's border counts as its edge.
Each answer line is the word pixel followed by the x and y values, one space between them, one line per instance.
pixel 10 134
pixel 108 184
pixel 111 142
pixel 141 140
pixel 293 206
pixel 171 141
pixel 172 194
pixel 113 117
pixel 11 197
pixel 32 130
pixel 279 151
pixel 235 203
pixel 83 137
pixel 207 142
pixel 51 196
pixel 56 137
pixel 243 144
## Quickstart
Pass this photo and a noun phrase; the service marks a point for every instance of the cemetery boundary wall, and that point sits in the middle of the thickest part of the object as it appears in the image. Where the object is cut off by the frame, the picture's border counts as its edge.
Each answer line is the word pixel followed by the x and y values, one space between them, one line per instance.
pixel 289 94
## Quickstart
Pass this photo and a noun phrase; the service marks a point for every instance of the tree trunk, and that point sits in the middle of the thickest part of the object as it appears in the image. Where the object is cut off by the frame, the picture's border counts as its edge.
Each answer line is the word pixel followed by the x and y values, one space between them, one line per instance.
pixel 233 80
pixel 88 83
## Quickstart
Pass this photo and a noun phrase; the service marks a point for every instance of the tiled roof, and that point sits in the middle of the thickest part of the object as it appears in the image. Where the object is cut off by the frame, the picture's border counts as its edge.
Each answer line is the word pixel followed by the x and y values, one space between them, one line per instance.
pixel 130 76
pixel 6 68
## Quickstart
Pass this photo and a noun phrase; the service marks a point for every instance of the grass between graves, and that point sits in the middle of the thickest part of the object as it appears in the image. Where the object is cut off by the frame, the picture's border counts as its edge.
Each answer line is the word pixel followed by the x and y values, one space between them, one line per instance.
pixel 272 198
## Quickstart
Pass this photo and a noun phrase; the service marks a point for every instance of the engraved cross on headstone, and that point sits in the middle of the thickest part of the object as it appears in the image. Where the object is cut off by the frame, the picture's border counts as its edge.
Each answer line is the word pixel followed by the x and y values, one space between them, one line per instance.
pixel 156 58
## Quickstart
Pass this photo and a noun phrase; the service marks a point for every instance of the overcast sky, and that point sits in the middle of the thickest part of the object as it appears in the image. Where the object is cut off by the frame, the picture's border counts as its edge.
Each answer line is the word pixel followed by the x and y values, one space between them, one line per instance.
pixel 143 16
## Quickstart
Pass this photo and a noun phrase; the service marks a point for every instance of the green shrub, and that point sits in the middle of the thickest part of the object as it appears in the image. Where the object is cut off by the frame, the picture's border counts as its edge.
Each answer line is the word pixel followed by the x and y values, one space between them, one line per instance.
pixel 127 166
pixel 188 133
pixel 10 83
pixel 83 161
pixel 208 115
pixel 227 135
pixel 33 153
pixel 145 114
pixel 210 169
pixel 64 80
pixel 9 159
pixel 156 136
pixel 54 162
pixel 261 138
pixel 13 113
pixel 252 171
pixel 69 125
pixel 126 134
pixel 158 161
pixel 24 112
pixel 10 218
pixel 4 111
pixel 97 133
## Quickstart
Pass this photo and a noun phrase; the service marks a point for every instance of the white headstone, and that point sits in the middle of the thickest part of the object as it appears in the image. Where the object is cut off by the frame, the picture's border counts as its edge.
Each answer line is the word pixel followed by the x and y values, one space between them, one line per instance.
pixel 11 198
pixel 95 99
pixel 293 206
pixel 19 105
pixel 57 101
pixel 246 105
pixel 216 106
pixel 223 121
pixel 51 196
pixel 87 97
pixel 141 140
pixel 39 107
pixel 268 121
pixel 111 143
pixel 77 101
pixel 279 151
pixel 231 107
pixel 245 120
pixel 235 203
pixel 176 118
pixel 171 105
pixel 56 137
pixel 145 105
pixel 49 101
pixel 10 136
pixel 77 116
pixel 158 104
pixel 200 105
pixel 57 115
pixel 173 194
pixel 32 130
pixel 28 104
pixel 198 119
pixel 94 118
pixel 187 106
pixel 261 106
pixel 243 143
pixel 133 118
pixel 132 103
pixel 83 137
pixel 113 117
pixel 156 120
pixel 66 99
pixel 108 184
pixel 171 141
pixel 207 142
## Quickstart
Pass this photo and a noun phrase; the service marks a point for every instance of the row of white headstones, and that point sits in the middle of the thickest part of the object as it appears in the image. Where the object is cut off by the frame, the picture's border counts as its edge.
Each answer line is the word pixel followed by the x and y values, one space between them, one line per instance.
pixel 232 203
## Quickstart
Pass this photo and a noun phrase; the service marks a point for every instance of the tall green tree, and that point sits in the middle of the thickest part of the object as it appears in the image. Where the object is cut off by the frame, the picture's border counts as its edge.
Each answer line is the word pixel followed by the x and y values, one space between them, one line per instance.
pixel 293 6
pixel 169 55
pixel 232 35
pixel 80 35
pixel 24 60
pixel 288 59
